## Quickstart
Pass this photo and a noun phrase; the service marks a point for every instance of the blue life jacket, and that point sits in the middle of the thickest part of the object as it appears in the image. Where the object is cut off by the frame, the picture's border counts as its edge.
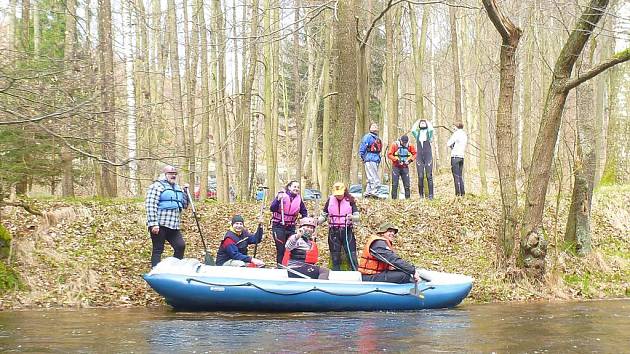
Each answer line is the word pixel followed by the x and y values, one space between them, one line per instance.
pixel 171 198
pixel 403 152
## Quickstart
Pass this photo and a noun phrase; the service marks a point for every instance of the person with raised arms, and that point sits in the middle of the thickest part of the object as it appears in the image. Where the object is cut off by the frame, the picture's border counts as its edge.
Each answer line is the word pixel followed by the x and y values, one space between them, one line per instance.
pixel 233 249
pixel 302 254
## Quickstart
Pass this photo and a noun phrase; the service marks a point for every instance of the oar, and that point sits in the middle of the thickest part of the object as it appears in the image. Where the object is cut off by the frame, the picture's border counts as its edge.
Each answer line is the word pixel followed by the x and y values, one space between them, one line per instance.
pixel 262 207
pixel 415 283
pixel 294 271
pixel 208 259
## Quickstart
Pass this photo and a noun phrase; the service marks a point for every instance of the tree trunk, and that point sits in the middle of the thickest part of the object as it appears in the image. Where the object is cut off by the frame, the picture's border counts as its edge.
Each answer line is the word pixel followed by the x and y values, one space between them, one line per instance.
pixel 268 98
pixel 533 246
pixel 26 26
pixel 510 35
pixel 611 173
pixel 418 55
pixel 526 154
pixel 452 12
pixel 128 26
pixel 11 29
pixel 297 92
pixel 343 121
pixel 324 162
pixel 578 230
pixel 483 133
pixel 108 87
pixel 219 44
pixel 205 100
pixel 176 89
pixel 67 184
pixel 191 43
pixel 248 82
pixel 37 34
pixel 390 82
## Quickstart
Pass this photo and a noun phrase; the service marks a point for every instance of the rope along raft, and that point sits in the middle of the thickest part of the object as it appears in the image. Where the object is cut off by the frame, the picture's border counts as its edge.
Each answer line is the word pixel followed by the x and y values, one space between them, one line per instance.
pixel 313 289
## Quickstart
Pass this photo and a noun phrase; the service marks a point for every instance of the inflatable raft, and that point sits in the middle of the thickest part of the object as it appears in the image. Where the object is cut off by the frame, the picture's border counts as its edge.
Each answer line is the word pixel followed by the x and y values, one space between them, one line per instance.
pixel 189 285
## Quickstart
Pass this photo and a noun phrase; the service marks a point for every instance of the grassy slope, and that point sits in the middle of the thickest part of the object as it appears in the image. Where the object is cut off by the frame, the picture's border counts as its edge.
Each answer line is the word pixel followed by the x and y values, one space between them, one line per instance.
pixel 92 253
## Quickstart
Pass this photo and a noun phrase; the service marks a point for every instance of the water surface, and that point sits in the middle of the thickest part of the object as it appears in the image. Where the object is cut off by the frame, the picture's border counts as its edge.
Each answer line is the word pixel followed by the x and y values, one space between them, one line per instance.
pixel 580 327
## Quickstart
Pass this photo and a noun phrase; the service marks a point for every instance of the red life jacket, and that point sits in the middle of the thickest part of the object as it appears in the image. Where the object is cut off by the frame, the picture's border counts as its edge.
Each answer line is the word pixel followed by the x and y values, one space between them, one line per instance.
pixel 291 209
pixel 311 256
pixel 369 264
pixel 337 212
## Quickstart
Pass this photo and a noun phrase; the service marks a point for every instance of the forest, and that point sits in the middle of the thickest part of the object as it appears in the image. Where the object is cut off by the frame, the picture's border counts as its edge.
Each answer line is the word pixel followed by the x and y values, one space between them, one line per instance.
pixel 96 96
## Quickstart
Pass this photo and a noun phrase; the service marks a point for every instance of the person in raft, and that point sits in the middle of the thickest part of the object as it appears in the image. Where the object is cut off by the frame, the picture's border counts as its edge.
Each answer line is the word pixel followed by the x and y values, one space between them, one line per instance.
pixel 233 249
pixel 302 254
pixel 379 262
pixel 164 204
pixel 341 211
pixel 285 208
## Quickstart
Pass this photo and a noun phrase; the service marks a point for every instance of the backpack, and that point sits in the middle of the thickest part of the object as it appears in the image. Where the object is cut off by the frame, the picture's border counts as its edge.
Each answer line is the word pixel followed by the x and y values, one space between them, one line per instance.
pixel 376 146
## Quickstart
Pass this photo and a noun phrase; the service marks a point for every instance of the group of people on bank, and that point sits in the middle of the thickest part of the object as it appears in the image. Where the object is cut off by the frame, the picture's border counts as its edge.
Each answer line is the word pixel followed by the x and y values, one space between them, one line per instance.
pixel 402 153
pixel 293 234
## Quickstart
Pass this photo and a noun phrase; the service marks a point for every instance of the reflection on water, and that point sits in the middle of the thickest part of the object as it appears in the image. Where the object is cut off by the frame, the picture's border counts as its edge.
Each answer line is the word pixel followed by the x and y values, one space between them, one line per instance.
pixel 600 326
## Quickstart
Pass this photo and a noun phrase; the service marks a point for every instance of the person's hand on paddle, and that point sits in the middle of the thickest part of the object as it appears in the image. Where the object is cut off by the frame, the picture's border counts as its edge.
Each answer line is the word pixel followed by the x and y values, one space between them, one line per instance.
pixel 257 262
pixel 155 229
pixel 186 185
pixel 416 276
pixel 280 195
pixel 261 218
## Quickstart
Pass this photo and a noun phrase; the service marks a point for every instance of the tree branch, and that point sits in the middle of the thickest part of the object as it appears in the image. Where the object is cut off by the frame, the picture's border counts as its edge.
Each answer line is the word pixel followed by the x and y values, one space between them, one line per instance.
pixel 504 25
pixel 29 208
pixel 598 69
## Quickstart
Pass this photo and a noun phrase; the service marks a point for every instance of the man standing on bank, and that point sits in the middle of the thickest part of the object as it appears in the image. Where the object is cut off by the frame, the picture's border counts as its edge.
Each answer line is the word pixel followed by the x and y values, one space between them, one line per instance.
pixel 402 154
pixel 457 143
pixel 370 153
pixel 164 203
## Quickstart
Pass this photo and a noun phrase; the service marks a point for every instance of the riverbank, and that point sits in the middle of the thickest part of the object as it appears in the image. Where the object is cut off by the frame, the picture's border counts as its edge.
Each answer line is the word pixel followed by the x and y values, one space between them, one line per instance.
pixel 90 253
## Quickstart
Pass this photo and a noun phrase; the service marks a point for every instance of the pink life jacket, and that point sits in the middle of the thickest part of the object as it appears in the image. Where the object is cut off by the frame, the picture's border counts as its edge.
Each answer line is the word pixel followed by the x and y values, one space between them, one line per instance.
pixel 291 209
pixel 337 211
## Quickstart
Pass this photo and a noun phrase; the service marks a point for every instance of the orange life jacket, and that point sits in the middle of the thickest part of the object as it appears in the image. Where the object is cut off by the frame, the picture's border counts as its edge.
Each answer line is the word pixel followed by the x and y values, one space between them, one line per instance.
pixel 311 256
pixel 368 264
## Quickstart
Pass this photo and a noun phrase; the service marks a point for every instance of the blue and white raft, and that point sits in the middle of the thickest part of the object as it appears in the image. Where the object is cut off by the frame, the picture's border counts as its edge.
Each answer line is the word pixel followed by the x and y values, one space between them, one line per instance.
pixel 189 285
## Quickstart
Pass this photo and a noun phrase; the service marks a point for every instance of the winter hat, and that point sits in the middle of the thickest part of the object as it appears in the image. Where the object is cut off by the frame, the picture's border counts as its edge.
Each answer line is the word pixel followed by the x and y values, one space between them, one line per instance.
pixel 237 218
pixel 404 139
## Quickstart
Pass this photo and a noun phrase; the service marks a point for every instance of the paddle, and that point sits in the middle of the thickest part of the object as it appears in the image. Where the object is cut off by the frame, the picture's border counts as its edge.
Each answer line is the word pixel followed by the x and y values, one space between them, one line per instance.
pixel 415 283
pixel 294 271
pixel 262 207
pixel 208 259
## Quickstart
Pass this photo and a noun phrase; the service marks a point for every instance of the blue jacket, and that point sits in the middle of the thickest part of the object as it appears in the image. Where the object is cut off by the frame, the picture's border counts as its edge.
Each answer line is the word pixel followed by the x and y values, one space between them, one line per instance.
pixel 366 142
pixel 234 246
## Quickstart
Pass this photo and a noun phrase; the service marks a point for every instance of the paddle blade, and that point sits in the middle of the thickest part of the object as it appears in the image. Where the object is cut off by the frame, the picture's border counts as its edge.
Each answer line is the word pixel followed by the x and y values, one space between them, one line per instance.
pixel 415 292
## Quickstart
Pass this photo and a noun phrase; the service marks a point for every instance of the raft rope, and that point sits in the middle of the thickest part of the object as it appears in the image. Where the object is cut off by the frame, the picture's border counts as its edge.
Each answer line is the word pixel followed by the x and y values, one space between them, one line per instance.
pixel 377 290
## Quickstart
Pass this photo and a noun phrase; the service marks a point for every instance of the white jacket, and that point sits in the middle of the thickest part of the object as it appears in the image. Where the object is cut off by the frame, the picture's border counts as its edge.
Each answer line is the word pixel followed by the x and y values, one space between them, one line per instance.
pixel 457 142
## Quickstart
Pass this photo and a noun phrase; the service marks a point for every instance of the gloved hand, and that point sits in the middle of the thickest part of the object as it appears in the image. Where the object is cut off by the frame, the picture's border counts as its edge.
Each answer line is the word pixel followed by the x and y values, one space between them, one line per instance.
pixel 257 262
pixel 321 220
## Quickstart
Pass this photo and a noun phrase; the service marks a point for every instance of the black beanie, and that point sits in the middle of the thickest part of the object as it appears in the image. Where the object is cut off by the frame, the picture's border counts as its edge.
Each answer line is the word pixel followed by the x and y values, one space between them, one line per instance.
pixel 237 218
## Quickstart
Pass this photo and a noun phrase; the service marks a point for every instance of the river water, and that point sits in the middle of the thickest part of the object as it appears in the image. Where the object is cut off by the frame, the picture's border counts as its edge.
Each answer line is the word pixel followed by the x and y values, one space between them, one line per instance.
pixel 577 327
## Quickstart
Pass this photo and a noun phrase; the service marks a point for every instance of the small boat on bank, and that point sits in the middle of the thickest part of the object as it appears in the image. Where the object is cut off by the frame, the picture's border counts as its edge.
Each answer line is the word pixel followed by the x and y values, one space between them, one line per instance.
pixel 189 285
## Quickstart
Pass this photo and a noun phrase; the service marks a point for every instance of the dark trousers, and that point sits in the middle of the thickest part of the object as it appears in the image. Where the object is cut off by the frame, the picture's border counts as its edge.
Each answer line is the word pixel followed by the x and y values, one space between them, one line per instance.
pixel 174 238
pixel 341 239
pixel 280 235
pixel 389 276
pixel 457 166
pixel 424 166
pixel 402 172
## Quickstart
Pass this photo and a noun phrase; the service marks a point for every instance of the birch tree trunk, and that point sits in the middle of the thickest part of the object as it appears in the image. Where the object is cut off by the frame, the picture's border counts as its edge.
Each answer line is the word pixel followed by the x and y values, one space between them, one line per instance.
pixel 578 229
pixel 508 230
pixel 107 88
pixel 176 89
pixel 128 45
